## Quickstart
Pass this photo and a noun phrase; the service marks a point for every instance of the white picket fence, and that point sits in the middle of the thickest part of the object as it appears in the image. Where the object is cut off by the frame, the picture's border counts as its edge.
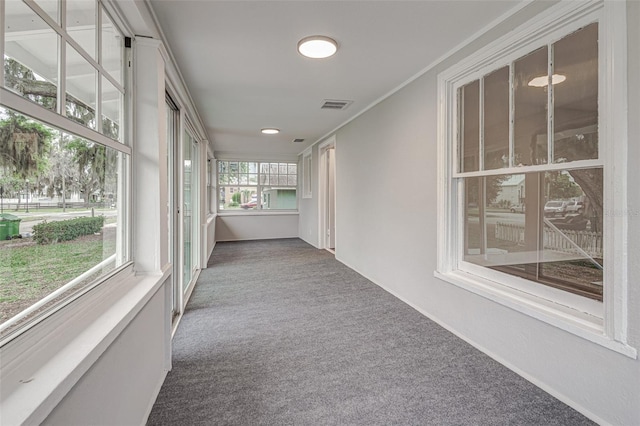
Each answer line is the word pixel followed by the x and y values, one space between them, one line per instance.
pixel 590 242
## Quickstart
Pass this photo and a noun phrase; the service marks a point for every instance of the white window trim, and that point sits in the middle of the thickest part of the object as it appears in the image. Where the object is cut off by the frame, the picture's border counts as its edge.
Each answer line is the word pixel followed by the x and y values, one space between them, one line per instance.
pixel 307 173
pixel 606 324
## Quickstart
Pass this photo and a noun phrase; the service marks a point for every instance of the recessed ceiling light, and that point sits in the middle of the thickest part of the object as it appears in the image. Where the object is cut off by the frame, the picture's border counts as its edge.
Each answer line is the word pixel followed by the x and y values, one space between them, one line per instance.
pixel 543 80
pixel 270 131
pixel 317 47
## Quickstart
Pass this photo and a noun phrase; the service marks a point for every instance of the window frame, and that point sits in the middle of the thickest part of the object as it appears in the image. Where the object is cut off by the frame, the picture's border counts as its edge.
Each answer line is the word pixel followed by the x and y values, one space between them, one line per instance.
pixel 259 186
pixel 604 323
pixel 64 38
pixel 59 120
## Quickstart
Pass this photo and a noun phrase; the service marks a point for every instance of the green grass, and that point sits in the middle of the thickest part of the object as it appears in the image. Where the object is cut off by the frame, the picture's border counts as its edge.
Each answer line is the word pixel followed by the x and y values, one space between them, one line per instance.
pixel 29 272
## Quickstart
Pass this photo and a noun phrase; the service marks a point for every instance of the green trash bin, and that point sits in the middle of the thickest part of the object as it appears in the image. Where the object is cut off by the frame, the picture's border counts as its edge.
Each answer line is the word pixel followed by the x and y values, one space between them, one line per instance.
pixel 9 226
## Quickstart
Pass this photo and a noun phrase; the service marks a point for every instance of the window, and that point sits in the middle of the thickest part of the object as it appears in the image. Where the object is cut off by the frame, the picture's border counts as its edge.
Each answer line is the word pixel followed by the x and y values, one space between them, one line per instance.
pixel 306 176
pixel 64 163
pixel 246 185
pixel 556 123
pixel 526 178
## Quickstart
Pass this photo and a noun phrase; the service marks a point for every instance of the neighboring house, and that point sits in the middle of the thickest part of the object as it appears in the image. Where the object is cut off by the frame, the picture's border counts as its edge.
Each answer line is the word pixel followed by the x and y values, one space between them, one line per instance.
pixel 511 191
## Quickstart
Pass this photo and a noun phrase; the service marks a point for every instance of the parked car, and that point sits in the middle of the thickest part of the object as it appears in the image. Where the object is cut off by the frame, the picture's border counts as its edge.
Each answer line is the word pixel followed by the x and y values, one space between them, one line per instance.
pixel 517 208
pixel 251 204
pixel 575 207
pixel 555 208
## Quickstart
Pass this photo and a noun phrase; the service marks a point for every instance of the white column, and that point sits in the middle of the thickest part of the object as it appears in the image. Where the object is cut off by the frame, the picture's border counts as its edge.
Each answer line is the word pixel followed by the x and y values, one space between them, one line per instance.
pixel 150 192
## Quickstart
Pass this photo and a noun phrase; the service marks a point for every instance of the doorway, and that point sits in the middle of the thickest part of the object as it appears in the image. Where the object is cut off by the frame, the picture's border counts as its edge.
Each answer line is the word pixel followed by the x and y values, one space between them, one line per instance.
pixel 327 195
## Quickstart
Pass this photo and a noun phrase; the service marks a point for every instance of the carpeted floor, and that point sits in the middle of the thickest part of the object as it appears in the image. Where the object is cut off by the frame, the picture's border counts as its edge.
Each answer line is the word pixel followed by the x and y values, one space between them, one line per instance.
pixel 280 333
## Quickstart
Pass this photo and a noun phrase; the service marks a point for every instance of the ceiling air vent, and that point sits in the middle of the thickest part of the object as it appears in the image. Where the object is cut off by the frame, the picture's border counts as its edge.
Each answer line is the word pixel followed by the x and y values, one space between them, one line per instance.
pixel 298 140
pixel 335 104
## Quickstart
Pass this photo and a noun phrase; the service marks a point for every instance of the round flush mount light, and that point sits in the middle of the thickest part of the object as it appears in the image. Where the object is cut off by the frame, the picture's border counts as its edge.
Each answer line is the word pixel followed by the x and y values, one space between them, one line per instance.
pixel 317 47
pixel 543 81
pixel 270 131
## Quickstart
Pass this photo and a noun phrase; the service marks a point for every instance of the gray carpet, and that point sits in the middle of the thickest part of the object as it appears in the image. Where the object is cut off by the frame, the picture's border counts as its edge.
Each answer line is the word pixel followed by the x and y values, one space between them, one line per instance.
pixel 280 333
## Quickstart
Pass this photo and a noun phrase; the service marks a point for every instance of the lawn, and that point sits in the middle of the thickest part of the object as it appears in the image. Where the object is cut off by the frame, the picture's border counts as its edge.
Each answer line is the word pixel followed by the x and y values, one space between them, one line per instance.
pixel 29 272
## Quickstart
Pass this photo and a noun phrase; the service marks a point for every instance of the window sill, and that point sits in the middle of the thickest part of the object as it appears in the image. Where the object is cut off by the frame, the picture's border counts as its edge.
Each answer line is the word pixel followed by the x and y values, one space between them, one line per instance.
pixel 570 320
pixel 258 213
pixel 63 348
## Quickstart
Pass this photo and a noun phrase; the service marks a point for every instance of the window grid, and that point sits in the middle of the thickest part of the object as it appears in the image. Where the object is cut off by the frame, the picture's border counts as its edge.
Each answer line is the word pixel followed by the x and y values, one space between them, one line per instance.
pixel 242 183
pixel 603 323
pixel 66 42
pixel 95 153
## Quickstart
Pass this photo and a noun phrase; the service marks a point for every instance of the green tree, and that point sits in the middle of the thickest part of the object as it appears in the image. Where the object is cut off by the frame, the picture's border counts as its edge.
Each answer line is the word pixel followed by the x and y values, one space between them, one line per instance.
pixel 95 165
pixel 24 145
pixel 561 186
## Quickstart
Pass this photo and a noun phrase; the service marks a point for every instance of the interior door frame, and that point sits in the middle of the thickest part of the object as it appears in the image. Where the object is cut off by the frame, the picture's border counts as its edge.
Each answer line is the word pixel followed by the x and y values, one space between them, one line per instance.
pixel 324 215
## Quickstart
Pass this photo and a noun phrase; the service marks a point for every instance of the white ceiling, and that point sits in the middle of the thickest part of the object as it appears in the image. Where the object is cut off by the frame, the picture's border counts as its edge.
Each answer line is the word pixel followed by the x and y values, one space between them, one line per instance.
pixel 240 63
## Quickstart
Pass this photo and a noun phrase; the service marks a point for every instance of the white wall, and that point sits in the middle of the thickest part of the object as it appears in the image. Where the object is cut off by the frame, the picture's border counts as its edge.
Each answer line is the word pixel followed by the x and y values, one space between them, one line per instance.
pixel 386 168
pixel 259 226
pixel 121 387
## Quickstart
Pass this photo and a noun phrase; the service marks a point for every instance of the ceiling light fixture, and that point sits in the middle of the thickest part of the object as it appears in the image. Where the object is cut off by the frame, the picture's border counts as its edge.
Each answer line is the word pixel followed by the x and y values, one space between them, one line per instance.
pixel 317 47
pixel 543 80
pixel 270 131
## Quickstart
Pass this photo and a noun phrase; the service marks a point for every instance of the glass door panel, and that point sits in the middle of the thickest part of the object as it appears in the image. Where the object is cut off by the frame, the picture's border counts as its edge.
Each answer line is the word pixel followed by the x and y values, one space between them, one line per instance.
pixel 187 209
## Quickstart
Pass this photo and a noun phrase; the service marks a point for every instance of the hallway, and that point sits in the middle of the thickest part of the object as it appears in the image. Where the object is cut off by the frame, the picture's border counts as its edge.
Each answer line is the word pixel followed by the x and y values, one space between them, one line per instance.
pixel 278 332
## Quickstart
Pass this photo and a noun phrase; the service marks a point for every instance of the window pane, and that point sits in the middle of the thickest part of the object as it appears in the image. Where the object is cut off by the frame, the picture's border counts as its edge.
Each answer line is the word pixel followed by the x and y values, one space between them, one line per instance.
pixel 50 7
pixel 474 232
pixel 530 109
pixel 31 55
pixel 469 143
pixel 293 169
pixel 573 244
pixel 279 199
pixel 112 48
pixel 576 98
pixel 496 119
pixel 81 89
pixel 238 198
pixel 74 238
pixel 81 24
pixel 111 110
pixel 545 227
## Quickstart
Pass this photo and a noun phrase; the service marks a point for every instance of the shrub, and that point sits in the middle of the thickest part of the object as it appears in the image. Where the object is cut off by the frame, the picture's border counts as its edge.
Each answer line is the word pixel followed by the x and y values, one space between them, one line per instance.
pixel 66 230
pixel 236 198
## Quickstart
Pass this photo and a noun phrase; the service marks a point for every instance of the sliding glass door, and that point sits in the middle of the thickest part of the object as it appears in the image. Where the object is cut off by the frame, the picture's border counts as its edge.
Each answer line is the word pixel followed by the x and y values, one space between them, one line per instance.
pixel 189 207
